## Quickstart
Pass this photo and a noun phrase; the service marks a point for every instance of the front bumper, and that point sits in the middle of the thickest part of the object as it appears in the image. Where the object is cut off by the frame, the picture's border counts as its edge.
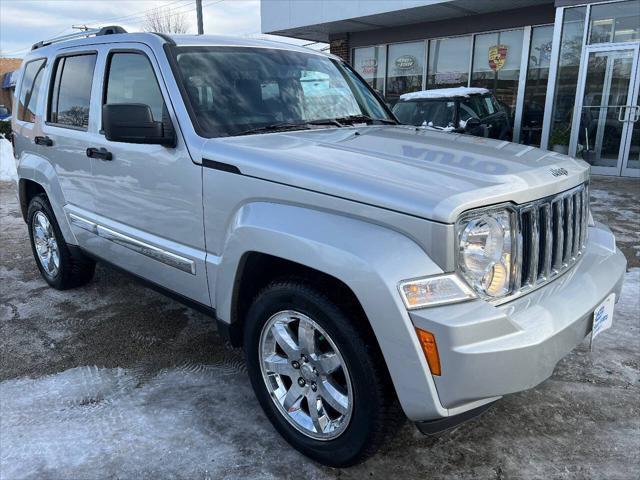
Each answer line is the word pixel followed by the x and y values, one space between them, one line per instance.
pixel 487 351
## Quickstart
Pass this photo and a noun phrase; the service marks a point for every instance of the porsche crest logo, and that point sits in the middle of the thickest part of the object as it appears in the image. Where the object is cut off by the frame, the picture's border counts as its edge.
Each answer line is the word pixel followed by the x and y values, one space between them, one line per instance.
pixel 497 57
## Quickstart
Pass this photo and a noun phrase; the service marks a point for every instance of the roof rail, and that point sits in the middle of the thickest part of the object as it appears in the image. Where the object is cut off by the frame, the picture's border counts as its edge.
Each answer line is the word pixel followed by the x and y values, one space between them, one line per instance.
pixel 111 30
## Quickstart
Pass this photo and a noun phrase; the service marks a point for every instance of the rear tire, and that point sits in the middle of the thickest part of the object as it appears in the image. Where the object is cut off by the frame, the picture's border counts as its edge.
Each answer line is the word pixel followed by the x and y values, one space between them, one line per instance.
pixel 62 266
pixel 362 378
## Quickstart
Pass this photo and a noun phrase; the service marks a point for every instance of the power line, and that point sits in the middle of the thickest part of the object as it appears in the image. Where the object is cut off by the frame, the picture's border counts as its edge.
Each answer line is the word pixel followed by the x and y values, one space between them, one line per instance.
pixel 132 17
pixel 140 12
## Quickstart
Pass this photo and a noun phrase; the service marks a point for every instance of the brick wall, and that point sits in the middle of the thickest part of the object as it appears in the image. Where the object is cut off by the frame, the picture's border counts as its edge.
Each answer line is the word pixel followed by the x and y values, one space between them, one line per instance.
pixel 340 47
pixel 7 65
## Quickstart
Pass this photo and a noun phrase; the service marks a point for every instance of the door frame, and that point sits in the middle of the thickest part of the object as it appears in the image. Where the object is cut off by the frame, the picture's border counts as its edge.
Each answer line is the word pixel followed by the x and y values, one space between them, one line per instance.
pixel 632 95
pixel 632 112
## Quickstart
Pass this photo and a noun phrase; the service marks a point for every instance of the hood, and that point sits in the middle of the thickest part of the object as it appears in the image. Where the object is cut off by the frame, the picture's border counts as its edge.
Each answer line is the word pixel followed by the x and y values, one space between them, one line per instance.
pixel 429 174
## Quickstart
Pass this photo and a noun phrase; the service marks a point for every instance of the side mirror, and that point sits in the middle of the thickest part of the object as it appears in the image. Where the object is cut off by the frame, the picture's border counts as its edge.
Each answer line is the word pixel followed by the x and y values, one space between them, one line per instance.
pixel 472 124
pixel 134 123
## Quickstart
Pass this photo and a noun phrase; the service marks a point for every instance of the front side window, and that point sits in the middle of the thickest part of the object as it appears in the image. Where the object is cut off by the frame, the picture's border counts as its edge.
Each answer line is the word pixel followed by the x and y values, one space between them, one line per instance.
pixel 236 90
pixel 131 79
pixel 30 90
pixel 475 107
pixel 71 91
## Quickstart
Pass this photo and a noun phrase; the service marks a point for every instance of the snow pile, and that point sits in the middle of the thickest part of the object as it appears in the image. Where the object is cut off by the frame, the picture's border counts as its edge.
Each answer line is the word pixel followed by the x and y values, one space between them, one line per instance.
pixel 7 162
pixel 444 93
pixel 431 126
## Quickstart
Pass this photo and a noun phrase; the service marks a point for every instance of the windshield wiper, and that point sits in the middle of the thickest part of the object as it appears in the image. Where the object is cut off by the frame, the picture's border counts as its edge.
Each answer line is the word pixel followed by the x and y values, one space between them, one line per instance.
pixel 365 119
pixel 275 127
pixel 284 126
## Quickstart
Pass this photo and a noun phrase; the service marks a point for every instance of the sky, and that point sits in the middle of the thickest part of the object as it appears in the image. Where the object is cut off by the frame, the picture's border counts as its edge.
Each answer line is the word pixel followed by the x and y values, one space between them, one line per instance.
pixel 25 22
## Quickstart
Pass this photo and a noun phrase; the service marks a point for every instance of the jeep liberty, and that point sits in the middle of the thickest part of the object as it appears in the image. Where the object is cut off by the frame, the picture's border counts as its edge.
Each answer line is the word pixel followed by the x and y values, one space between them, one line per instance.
pixel 371 271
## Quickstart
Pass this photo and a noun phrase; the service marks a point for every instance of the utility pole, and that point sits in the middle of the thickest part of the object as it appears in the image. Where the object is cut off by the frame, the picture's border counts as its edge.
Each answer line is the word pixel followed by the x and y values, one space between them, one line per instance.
pixel 199 13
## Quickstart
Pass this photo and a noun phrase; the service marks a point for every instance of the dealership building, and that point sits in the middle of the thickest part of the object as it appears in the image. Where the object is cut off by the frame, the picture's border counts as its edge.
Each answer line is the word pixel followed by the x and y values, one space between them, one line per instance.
pixel 567 70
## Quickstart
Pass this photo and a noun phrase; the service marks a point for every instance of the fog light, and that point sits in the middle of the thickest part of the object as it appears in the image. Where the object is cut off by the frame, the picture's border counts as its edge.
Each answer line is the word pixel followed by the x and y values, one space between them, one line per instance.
pixel 430 349
pixel 431 291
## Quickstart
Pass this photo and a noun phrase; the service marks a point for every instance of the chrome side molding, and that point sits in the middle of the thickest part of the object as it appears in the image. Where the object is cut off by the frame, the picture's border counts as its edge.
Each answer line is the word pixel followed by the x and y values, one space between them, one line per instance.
pixel 151 251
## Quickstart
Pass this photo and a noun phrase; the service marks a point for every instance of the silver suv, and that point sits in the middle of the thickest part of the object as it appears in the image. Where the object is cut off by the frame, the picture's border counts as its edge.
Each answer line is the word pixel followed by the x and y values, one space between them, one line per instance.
pixel 368 269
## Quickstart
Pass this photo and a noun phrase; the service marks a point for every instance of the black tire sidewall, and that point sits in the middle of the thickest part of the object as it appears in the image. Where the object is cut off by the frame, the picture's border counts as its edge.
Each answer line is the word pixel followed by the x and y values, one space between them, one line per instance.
pixel 346 449
pixel 40 204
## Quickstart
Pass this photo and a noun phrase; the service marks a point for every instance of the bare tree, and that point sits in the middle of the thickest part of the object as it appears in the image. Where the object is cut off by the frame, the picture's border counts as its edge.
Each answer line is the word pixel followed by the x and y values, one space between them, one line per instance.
pixel 164 21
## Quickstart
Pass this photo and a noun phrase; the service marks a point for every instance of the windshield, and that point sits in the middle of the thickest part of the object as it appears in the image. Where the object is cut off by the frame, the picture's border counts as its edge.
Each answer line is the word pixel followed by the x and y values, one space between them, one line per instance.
pixel 432 113
pixel 243 90
pixel 4 111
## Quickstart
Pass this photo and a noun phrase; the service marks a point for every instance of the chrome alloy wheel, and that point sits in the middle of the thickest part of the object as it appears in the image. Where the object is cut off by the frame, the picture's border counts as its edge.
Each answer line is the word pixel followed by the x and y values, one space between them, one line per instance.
pixel 306 375
pixel 46 245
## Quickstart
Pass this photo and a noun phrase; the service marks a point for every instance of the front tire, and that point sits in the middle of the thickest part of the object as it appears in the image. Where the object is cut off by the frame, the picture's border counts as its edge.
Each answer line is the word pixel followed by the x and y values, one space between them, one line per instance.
pixel 319 378
pixel 59 265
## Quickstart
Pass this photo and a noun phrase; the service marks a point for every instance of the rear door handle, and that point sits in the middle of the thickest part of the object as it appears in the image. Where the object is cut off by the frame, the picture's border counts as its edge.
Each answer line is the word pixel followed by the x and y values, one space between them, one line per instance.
pixel 101 153
pixel 46 141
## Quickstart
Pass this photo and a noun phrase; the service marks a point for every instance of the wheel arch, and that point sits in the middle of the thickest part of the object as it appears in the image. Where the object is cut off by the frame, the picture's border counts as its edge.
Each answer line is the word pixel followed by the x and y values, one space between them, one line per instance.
pixel 37 175
pixel 364 259
pixel 27 189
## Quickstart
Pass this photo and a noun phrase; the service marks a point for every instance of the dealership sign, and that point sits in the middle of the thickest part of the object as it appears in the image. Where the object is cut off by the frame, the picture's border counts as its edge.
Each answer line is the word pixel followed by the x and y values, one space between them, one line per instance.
pixel 369 66
pixel 497 57
pixel 405 62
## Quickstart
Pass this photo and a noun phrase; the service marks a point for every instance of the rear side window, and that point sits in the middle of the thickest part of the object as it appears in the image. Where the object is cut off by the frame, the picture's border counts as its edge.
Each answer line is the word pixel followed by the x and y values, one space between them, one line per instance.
pixel 71 91
pixel 30 90
pixel 131 80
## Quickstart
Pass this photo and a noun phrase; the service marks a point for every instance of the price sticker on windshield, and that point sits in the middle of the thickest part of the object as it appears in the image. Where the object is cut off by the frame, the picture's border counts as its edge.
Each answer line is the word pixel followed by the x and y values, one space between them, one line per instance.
pixel 603 317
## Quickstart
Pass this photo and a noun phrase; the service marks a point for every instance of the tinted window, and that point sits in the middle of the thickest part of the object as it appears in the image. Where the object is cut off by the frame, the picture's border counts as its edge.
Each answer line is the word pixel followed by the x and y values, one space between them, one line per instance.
pixel 232 90
pixel 474 107
pixel 438 113
pixel 71 92
pixel 132 80
pixel 30 90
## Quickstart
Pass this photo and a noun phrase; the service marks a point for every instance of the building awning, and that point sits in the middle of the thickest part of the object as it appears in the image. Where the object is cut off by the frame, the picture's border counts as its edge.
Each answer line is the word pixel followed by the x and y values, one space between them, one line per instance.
pixel 9 80
pixel 318 20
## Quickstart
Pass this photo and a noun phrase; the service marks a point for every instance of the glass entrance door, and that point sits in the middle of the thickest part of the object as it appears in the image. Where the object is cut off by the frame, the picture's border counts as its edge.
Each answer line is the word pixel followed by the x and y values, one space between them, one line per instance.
pixel 608 113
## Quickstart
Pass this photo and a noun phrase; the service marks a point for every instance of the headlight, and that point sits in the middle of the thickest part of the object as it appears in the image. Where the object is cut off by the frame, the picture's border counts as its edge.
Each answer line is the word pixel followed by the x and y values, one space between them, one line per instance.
pixel 485 252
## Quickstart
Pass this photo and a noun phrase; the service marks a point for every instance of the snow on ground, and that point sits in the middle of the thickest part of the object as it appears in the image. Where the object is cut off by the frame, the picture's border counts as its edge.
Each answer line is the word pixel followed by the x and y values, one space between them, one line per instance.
pixel 444 93
pixel 89 422
pixel 7 162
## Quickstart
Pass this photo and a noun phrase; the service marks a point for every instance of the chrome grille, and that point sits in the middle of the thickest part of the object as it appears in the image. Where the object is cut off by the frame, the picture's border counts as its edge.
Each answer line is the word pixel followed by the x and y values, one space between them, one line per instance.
pixel 552 233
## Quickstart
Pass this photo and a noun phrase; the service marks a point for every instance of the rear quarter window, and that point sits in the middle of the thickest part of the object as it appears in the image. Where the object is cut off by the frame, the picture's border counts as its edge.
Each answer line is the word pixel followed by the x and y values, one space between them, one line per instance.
pixel 30 90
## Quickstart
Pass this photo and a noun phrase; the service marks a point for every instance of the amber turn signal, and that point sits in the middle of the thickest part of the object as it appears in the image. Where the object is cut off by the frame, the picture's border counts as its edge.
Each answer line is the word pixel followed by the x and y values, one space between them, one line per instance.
pixel 430 349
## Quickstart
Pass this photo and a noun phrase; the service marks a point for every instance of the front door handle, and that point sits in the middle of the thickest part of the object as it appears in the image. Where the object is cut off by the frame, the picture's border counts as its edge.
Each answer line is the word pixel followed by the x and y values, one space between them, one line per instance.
pixel 46 141
pixel 101 153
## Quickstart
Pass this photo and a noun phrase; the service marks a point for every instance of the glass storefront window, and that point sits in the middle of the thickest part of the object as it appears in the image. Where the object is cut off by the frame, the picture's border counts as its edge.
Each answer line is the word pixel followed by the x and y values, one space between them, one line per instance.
pixel 496 65
pixel 535 92
pixel 567 79
pixel 615 22
pixel 449 62
pixel 370 64
pixel 405 69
